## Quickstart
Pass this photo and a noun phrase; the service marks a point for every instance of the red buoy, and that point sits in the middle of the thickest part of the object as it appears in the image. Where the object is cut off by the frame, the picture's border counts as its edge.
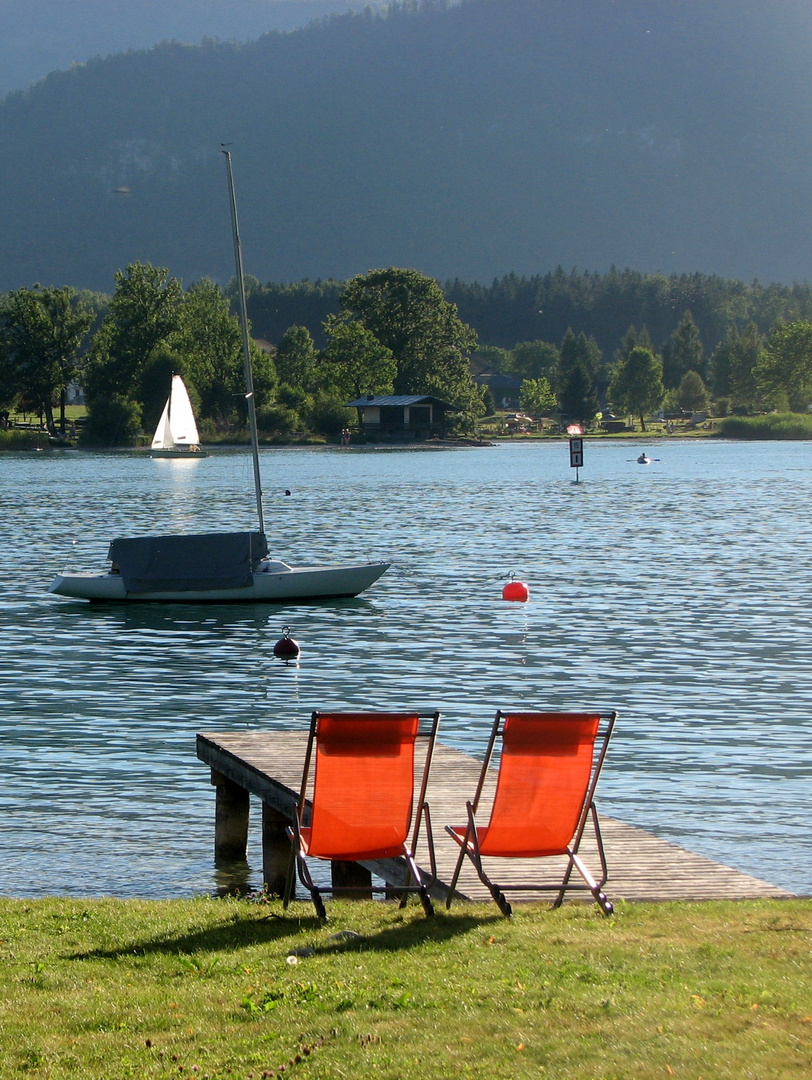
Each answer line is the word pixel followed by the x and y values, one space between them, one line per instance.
pixel 286 648
pixel 516 590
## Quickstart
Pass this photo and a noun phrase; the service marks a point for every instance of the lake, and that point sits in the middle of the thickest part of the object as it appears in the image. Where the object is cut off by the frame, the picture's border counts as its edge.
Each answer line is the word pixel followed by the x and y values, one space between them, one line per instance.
pixel 677 593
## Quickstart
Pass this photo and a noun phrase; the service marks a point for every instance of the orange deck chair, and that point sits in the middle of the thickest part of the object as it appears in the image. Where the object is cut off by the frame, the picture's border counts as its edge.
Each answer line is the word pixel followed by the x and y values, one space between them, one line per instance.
pixel 549 766
pixel 360 805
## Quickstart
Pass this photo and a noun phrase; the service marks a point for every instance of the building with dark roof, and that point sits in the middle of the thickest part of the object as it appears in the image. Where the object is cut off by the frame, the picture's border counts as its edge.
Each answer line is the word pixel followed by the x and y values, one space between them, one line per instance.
pixel 505 389
pixel 402 416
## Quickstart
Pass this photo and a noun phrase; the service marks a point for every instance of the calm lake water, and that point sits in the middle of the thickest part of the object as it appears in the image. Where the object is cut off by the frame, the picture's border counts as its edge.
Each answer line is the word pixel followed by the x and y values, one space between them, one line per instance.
pixel 677 593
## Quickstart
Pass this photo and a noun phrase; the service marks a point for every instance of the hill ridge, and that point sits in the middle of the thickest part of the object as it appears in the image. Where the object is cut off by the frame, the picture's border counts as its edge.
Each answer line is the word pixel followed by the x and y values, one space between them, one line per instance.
pixel 467 141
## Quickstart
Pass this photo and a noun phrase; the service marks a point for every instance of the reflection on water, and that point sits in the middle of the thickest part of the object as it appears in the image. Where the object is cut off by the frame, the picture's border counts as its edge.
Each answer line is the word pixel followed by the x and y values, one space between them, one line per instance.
pixel 676 593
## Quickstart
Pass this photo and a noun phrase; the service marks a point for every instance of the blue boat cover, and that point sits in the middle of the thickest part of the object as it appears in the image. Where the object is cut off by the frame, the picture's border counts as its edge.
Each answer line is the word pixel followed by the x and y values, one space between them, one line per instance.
pixel 187 563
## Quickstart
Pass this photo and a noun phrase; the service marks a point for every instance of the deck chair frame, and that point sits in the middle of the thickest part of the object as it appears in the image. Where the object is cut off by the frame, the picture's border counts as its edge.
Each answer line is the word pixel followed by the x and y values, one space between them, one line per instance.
pixel 425 733
pixel 468 838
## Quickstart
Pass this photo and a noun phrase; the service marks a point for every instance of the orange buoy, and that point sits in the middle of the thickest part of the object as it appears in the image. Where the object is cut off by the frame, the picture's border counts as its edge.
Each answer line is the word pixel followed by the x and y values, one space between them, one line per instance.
pixel 516 590
pixel 286 648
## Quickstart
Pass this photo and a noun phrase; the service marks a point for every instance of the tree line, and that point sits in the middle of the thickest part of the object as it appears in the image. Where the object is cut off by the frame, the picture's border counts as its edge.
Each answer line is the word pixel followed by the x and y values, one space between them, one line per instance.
pixel 568 336
pixel 318 345
pixel 393 332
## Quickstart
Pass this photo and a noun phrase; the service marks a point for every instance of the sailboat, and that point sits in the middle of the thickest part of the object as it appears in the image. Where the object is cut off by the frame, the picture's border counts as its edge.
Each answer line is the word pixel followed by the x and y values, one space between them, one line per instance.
pixel 217 567
pixel 176 434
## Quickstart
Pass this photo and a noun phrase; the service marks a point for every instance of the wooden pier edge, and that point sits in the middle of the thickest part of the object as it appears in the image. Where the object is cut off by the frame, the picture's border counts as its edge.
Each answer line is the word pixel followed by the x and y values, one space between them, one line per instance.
pixel 268 765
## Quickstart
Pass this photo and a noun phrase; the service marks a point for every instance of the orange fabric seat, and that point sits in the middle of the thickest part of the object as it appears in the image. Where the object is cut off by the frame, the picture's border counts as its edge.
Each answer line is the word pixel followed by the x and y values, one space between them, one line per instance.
pixel 362 803
pixel 549 765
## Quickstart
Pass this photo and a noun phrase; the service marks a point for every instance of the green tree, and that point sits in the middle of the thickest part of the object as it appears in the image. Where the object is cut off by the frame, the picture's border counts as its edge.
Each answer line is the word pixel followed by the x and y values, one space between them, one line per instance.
pixel 634 337
pixel 577 348
pixel 355 362
pixel 783 374
pixel 534 359
pixel 636 387
pixel 113 421
pixel 296 358
pixel 580 356
pixel 155 382
pixel 328 416
pixel 41 334
pixel 745 353
pixel 265 379
pixel 579 396
pixel 683 352
pixel 719 363
pixel 692 394
pixel 732 364
pixel 144 311
pixel 537 397
pixel 278 420
pixel 409 315
pixel 208 347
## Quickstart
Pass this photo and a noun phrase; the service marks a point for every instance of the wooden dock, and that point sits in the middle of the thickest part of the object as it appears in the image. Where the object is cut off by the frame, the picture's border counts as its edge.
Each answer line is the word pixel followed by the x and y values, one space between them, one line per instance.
pixel 268 766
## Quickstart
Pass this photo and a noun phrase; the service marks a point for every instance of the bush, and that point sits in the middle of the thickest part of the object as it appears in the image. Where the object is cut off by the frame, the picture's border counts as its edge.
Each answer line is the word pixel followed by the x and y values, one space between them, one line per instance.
pixel 14 439
pixel 771 426
pixel 207 429
pixel 293 397
pixel 114 421
pixel 278 420
pixel 329 417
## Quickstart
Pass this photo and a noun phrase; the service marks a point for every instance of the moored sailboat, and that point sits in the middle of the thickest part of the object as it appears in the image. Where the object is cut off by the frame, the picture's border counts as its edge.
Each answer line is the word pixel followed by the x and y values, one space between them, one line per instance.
pixel 217 567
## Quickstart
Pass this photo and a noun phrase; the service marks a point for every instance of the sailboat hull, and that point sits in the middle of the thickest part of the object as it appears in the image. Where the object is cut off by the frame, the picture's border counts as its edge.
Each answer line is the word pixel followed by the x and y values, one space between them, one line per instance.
pixel 275 582
pixel 181 452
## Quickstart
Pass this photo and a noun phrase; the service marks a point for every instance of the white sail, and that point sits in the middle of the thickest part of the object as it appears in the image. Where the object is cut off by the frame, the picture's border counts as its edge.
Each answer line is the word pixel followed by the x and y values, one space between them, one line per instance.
pixel 177 425
pixel 163 437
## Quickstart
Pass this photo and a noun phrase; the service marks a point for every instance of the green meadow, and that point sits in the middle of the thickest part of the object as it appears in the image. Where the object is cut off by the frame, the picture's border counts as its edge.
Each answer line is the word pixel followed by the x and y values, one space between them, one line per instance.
pixel 236 988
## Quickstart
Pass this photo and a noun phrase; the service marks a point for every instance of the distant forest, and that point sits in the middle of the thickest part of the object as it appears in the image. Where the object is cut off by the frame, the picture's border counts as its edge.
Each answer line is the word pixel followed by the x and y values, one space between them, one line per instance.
pixel 543 307
pixel 40 36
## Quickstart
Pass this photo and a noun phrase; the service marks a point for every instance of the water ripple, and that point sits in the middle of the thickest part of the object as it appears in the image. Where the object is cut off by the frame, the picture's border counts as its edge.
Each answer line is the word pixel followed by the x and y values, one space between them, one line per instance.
pixel 676 593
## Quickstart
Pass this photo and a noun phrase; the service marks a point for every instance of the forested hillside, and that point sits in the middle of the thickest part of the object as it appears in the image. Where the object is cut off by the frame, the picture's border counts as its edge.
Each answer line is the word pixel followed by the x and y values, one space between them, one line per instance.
pixel 40 36
pixel 469 141
pixel 514 309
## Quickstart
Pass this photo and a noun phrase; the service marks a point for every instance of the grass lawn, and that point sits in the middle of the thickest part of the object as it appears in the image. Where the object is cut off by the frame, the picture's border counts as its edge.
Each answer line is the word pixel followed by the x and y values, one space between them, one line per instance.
pixel 233 988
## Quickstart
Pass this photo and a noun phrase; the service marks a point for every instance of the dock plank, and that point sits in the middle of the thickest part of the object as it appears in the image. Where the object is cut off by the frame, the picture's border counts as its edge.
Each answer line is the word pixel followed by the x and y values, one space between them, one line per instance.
pixel 642 867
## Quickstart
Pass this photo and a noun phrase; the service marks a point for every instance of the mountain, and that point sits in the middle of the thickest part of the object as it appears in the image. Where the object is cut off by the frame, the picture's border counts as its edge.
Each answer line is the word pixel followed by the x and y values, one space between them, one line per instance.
pixel 468 140
pixel 39 36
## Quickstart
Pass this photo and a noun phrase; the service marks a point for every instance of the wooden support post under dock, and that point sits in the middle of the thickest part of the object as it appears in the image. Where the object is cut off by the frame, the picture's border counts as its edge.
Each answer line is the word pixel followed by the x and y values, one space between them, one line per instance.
pixel 275 849
pixel 268 765
pixel 230 820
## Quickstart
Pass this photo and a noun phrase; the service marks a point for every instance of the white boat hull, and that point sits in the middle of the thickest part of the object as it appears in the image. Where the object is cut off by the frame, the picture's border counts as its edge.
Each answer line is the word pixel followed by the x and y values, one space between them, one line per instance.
pixel 275 582
pixel 181 452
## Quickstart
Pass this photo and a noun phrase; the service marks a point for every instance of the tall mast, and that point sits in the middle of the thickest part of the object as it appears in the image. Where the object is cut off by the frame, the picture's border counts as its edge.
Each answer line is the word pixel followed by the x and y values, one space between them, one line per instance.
pixel 246 350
